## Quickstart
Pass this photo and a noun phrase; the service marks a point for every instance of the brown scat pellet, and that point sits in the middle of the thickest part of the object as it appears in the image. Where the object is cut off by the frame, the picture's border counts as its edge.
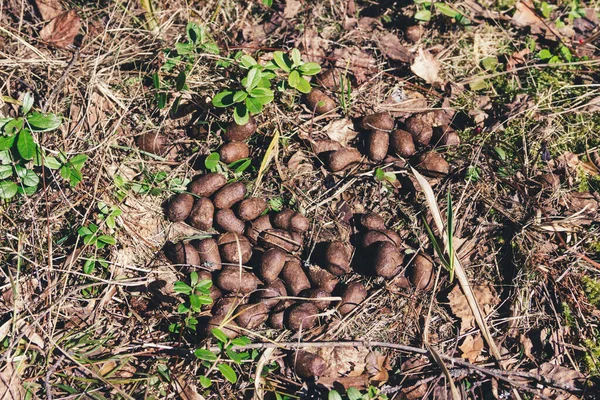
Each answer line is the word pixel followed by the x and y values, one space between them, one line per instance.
pixel 319 102
pixel 206 185
pixel 420 130
pixel 387 259
pixel 251 208
pixel 307 365
pixel 251 316
pixel 354 294
pixel 294 277
pixel 229 194
pixel 377 145
pixel 154 142
pixel 227 221
pixel 233 151
pixel 180 207
pixel 270 294
pixel 234 248
pixel 421 273
pixel 239 133
pixel 230 279
pixel 402 143
pixel 433 164
pixel 337 258
pixel 379 121
pixel 208 251
pixel 255 227
pixel 280 239
pixel 302 315
pixel 288 219
pixel 317 293
pixel 275 320
pixel 343 158
pixel 321 278
pixel 271 264
pixel 201 216
pixel 372 221
pixel 182 254
pixel 374 236
pixel 228 327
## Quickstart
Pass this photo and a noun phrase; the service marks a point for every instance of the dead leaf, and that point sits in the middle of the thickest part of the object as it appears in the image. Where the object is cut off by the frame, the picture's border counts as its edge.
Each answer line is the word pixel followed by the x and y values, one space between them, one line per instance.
pixel 48 9
pixel 313 44
pixel 61 31
pixel 525 16
pixel 187 391
pixel 426 67
pixel 356 60
pixel 292 8
pixel 298 164
pixel 369 24
pixel 390 45
pixel 472 347
pixel 567 378
pixel 486 297
pixel 517 58
pixel 341 130
pixel 343 361
pixel 377 367
pixel 10 383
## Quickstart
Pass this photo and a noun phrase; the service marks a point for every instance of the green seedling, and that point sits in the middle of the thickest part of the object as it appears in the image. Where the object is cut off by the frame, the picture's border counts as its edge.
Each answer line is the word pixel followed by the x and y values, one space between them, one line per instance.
pixel 385 177
pixel 296 69
pixel 153 183
pixel 446 259
pixel 426 7
pixel 196 294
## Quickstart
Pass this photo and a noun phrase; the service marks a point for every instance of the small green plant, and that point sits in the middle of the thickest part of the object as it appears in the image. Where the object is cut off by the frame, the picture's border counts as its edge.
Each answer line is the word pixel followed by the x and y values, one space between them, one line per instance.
pixel 384 177
pixel 20 152
pixel 591 287
pixel 562 54
pixel 197 294
pixel 92 234
pixel 372 393
pixel 426 7
pixel 152 183
pixel 250 94
pixel 183 58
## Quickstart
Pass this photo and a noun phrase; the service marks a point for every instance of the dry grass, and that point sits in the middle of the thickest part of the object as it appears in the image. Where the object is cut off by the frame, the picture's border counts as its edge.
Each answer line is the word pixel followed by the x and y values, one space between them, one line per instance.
pixel 67 333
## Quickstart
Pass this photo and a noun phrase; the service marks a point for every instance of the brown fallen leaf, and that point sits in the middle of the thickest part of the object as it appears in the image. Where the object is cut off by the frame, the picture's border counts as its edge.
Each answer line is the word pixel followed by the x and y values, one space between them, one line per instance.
pixel 377 367
pixel 390 45
pixel 10 383
pixel 291 9
pixel 486 297
pixel 567 378
pixel 61 31
pixel 356 60
pixel 313 44
pixel 517 58
pixel 472 347
pixel 48 9
pixel 298 164
pixel 525 16
pixel 341 130
pixel 426 67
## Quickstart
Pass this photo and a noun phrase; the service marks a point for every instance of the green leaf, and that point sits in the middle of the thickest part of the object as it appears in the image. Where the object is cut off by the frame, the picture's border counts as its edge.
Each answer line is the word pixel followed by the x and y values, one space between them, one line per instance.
pixel 240 341
pixel 223 99
pixel 228 372
pixel 219 335
pixel 156 80
pixel 446 10
pixel 235 357
pixel 253 78
pixel 30 178
pixel 89 266
pixel 84 231
pixel 107 239
pixel 247 61
pixel 565 53
pixel 195 303
pixel 205 382
pixel 75 177
pixel 334 395
pixel 78 161
pixel 545 54
pixel 193 278
pixel 26 145
pixel 264 95
pixel 6 142
pixel 161 99
pixel 304 86
pixel 182 287
pixel 27 190
pixel 13 126
pixel 353 394
pixel 243 166
pixel 194 32
pixel 180 81
pixel 240 114
pixel 44 122
pixel 489 63
pixel 184 48
pixel 254 105
pixel 423 15
pixel 5 171
pixel 205 355
pixel 239 96
pixel 8 189
pixel 282 61
pixel 267 3
pixel 310 68
pixel 296 58
pixel 293 78
pixel 212 161
pixel 27 103
pixel 211 48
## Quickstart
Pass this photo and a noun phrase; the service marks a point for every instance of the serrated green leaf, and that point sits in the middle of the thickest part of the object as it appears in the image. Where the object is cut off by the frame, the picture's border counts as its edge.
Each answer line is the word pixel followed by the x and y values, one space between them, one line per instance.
pixel 228 372
pixel 27 103
pixel 44 122
pixel 26 145
pixel 303 86
pixel 206 355
pixel 241 114
pixel 423 15
pixel 253 78
pixel 310 68
pixel 8 189
pixel 293 78
pixel 223 99
pixel 282 61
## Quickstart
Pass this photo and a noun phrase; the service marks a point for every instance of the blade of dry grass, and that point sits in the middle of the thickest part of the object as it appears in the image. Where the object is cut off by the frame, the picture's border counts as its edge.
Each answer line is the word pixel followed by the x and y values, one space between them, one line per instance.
pixel 269 154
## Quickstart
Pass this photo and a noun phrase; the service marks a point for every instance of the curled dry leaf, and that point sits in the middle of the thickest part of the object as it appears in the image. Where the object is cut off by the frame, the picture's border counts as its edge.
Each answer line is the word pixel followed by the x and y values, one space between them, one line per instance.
pixel 298 164
pixel 313 44
pixel 61 31
pixel 565 377
pixel 426 67
pixel 390 45
pixel 344 361
pixel 48 9
pixel 472 347
pixel 292 8
pixel 10 383
pixel 486 297
pixel 377 367
pixel 356 60
pixel 341 130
